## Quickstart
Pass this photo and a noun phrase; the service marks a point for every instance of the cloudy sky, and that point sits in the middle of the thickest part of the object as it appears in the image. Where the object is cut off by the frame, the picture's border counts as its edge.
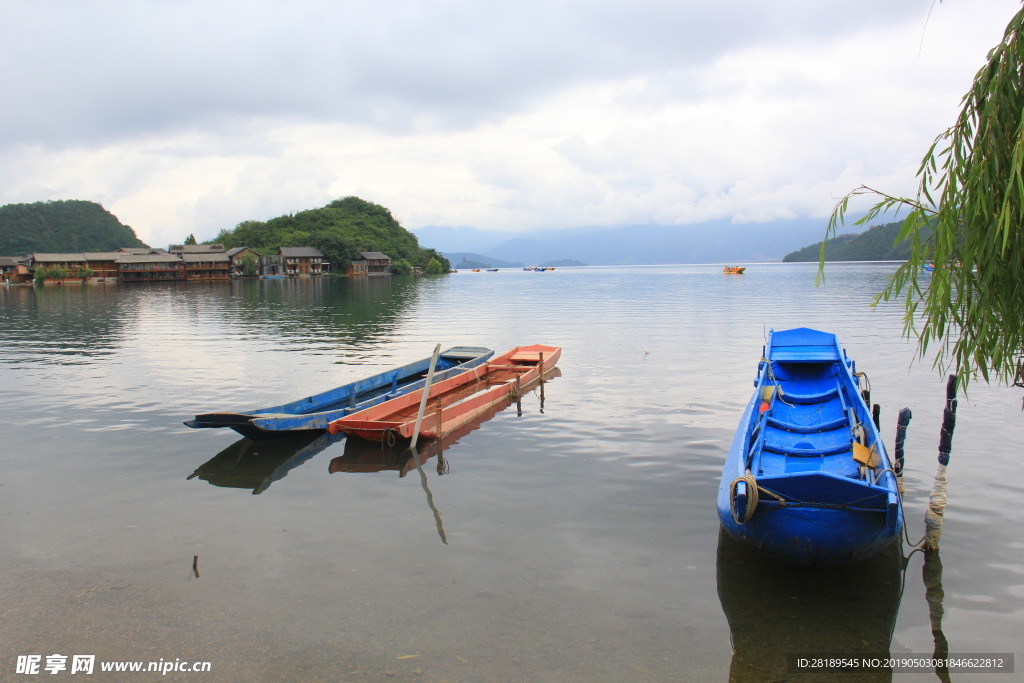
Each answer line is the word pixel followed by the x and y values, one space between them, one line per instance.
pixel 185 116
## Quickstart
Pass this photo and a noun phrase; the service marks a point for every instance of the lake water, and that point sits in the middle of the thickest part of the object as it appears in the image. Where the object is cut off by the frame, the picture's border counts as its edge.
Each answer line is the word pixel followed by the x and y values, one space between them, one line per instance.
pixel 582 541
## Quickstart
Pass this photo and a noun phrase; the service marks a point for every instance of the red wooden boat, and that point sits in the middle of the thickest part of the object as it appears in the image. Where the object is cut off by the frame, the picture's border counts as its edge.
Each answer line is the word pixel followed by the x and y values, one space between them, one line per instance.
pixel 453 402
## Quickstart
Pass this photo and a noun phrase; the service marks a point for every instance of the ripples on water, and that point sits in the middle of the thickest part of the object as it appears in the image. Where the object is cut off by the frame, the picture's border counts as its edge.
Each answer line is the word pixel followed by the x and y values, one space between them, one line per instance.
pixel 583 540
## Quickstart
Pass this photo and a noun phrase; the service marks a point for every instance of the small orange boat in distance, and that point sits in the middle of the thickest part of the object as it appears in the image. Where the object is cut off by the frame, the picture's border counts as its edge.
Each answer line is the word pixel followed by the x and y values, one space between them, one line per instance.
pixel 734 270
pixel 453 402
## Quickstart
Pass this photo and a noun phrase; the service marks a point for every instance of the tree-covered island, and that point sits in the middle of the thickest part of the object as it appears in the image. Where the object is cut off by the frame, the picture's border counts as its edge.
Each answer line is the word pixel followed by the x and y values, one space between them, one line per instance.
pixel 341 230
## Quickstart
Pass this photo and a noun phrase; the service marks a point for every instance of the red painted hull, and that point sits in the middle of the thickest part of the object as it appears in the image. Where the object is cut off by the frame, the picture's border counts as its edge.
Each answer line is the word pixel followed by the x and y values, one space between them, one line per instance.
pixel 454 402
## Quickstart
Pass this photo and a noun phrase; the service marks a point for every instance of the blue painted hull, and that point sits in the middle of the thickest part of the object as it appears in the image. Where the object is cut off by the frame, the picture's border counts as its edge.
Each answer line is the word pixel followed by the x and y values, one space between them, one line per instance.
pixel 791 487
pixel 315 412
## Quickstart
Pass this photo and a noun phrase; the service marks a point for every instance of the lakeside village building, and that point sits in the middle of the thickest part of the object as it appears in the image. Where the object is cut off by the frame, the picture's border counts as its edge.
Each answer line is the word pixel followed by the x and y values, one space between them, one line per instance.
pixel 184 263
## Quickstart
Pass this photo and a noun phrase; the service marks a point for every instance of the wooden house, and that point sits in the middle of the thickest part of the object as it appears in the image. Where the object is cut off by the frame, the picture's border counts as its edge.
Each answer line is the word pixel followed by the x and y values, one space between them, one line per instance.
pixel 103 265
pixel 14 270
pixel 303 261
pixel 206 266
pixel 73 266
pixel 237 258
pixel 356 269
pixel 271 266
pixel 376 263
pixel 150 268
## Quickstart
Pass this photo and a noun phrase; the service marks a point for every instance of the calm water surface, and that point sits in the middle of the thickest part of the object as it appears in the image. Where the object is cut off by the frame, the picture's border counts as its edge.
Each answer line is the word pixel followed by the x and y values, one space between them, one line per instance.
pixel 581 536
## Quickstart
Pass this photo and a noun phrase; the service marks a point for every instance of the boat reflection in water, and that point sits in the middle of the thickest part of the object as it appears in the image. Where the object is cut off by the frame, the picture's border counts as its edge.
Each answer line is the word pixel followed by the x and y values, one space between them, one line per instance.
pixel 777 610
pixel 248 464
pixel 378 456
pixel 362 455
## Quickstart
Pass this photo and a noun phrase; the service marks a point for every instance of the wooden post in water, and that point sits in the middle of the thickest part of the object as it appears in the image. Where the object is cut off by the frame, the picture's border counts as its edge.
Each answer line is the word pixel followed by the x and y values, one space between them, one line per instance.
pixel 937 500
pixel 902 420
pixel 542 381
pixel 519 396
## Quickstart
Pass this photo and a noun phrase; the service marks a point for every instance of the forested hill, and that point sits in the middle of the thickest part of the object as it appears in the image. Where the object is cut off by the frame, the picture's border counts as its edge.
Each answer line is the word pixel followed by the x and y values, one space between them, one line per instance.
pixel 876 244
pixel 341 230
pixel 62 226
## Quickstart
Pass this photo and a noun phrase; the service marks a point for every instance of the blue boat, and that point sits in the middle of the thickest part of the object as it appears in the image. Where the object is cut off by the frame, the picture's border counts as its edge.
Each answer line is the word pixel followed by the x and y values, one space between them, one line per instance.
pixel 315 412
pixel 807 479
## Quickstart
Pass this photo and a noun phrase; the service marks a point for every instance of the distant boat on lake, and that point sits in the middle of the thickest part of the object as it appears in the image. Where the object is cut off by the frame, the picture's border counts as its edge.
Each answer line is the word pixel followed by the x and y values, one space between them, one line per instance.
pixel 807 479
pixel 734 270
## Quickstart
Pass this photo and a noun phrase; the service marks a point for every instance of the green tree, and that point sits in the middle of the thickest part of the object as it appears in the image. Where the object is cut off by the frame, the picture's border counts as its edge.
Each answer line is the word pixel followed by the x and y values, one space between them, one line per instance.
pixel 191 239
pixel 249 266
pixel 401 267
pixel 62 226
pixel 968 218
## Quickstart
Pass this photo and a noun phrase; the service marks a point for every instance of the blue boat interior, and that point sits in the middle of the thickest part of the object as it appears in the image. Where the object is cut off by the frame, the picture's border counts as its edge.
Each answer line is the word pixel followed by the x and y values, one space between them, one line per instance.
pixel 802 444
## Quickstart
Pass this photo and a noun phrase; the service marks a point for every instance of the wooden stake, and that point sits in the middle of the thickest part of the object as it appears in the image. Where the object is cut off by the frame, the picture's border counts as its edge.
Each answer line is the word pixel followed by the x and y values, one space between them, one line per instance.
pixel 902 420
pixel 937 500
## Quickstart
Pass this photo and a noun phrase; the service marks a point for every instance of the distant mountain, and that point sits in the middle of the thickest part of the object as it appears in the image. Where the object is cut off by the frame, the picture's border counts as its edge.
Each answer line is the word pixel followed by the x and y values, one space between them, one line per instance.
pixel 62 226
pixel 710 242
pixel 877 243
pixel 469 260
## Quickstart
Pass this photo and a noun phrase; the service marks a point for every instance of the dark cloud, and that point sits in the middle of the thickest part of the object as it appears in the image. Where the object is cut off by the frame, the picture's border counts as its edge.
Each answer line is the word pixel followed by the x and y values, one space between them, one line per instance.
pixel 91 70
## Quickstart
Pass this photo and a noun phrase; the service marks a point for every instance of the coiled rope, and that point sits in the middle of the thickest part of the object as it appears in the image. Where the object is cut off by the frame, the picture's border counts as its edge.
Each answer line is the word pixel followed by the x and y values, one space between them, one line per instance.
pixel 753 496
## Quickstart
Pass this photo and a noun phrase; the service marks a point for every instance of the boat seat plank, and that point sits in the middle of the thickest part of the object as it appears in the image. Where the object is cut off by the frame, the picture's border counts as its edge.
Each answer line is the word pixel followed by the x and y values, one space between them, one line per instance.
pixel 807 399
pixel 805 354
pixel 813 428
pixel 800 444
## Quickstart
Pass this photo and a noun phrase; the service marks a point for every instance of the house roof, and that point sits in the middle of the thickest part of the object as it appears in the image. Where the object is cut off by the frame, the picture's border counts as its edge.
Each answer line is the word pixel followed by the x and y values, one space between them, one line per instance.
pixel 142 250
pixel 196 248
pixel 297 252
pixel 102 255
pixel 236 250
pixel 10 261
pixel 58 258
pixel 374 256
pixel 205 258
pixel 149 258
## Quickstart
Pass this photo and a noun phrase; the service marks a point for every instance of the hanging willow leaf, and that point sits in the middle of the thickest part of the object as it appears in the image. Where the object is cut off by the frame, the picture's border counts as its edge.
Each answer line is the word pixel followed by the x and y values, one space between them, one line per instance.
pixel 967 218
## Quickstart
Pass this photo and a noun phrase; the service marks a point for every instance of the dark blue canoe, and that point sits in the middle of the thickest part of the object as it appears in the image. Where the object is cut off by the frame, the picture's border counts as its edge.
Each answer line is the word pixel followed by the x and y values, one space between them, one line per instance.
pixel 807 479
pixel 315 412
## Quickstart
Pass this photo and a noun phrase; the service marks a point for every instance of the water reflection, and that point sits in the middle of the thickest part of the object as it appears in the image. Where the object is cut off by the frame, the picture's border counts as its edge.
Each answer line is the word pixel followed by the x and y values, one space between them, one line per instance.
pixel 932 574
pixel 775 610
pixel 305 313
pixel 248 464
pixel 61 325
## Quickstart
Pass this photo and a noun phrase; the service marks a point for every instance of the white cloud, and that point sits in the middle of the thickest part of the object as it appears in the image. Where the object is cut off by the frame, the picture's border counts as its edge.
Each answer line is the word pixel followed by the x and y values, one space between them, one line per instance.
pixel 193 116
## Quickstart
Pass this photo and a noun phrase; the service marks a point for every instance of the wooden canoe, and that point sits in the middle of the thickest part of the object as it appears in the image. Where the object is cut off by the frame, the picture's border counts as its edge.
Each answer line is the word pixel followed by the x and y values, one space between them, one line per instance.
pixel 452 402
pixel 315 412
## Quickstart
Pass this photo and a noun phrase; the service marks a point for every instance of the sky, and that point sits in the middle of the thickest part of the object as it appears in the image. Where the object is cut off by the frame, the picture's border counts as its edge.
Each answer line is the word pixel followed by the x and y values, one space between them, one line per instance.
pixel 190 116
